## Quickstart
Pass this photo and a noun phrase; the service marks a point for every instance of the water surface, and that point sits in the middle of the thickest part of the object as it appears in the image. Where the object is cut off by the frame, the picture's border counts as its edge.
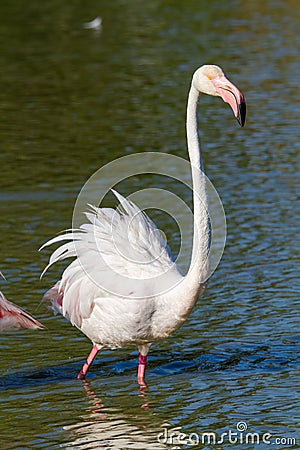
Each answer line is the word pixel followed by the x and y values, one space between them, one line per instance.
pixel 73 100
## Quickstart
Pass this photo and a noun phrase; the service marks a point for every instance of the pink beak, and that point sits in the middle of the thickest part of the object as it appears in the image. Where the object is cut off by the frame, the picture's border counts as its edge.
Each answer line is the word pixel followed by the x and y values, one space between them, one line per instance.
pixel 232 95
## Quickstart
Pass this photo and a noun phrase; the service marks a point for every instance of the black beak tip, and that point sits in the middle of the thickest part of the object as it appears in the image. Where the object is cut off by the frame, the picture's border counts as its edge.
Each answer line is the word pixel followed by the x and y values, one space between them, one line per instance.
pixel 241 116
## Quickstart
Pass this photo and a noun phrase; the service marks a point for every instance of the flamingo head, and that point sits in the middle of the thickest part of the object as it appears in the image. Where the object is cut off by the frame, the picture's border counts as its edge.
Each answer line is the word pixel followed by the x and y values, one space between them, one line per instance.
pixel 211 80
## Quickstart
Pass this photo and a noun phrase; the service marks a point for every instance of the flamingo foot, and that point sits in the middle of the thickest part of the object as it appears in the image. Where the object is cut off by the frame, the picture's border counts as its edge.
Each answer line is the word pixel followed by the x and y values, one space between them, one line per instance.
pixel 142 370
pixel 86 365
pixel 81 375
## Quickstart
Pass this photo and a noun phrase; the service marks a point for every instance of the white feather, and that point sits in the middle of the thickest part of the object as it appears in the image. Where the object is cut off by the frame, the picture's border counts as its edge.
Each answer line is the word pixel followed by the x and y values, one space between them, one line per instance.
pixel 114 244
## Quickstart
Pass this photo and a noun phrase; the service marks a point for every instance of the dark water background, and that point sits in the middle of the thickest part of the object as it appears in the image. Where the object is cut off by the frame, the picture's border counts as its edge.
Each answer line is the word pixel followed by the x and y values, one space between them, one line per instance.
pixel 73 99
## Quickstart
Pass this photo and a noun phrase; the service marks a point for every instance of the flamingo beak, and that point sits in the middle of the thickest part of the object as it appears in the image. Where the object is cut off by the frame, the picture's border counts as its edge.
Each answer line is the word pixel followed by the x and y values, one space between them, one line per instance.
pixel 232 95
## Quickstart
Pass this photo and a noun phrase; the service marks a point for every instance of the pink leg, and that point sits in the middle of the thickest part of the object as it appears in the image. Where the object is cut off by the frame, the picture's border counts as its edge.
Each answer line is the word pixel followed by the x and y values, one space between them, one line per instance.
pixel 142 369
pixel 88 362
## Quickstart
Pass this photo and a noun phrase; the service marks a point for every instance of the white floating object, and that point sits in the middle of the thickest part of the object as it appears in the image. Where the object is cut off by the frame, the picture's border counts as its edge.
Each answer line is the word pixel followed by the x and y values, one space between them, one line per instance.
pixel 94 24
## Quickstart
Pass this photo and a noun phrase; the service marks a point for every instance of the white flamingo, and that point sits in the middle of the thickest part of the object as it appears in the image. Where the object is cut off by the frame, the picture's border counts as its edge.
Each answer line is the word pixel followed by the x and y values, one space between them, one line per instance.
pixel 142 311
pixel 12 317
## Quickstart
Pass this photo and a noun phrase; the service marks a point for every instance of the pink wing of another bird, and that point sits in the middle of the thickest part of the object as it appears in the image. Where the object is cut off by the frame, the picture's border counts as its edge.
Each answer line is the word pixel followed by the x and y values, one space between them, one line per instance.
pixel 12 317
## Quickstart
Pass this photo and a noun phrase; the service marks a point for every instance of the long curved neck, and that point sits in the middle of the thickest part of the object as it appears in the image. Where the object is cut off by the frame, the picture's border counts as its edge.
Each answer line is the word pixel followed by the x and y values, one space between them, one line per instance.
pixel 193 284
pixel 198 270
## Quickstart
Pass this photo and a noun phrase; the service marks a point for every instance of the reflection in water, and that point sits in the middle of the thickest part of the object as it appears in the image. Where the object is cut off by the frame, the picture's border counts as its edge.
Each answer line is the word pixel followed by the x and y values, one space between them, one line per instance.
pixel 113 429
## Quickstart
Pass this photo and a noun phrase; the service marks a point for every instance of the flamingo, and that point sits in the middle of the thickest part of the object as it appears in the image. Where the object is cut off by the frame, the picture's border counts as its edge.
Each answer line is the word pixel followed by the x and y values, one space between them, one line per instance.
pixel 153 297
pixel 12 317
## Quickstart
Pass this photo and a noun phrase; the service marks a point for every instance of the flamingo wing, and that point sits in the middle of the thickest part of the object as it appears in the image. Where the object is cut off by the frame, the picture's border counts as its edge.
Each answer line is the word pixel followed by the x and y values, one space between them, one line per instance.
pixel 12 317
pixel 118 253
pixel 123 237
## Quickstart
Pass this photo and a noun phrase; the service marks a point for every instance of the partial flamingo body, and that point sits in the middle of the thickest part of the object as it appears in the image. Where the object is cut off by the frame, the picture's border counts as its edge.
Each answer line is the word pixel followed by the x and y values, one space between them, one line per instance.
pixel 13 317
pixel 123 287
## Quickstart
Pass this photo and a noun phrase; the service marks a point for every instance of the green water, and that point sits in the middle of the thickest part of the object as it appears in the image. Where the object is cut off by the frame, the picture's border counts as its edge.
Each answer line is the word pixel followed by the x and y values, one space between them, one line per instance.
pixel 74 99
